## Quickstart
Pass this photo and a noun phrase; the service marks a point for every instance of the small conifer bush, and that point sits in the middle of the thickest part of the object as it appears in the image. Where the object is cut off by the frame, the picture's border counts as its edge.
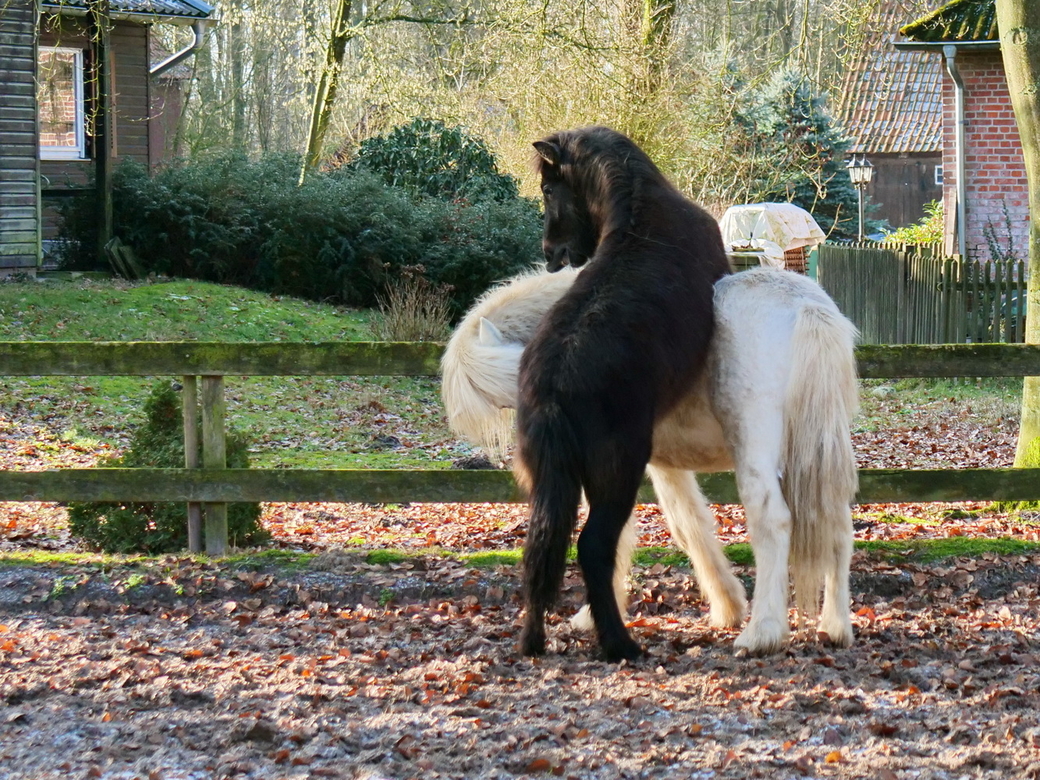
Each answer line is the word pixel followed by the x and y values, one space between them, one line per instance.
pixel 152 528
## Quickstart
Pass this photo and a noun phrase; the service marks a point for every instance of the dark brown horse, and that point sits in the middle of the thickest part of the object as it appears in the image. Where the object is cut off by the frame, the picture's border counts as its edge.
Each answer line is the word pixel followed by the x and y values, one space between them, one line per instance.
pixel 611 357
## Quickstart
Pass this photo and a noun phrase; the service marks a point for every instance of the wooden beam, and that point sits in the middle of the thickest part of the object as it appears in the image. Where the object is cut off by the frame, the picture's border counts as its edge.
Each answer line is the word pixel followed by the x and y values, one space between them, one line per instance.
pixel 943 360
pixel 444 486
pixel 190 418
pixel 173 358
pixel 214 457
pixel 197 358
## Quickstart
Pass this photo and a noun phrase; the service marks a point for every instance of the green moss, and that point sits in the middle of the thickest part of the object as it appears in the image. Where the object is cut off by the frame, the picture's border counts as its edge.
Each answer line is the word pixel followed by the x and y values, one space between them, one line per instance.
pixel 490 560
pixel 740 554
pixel 666 556
pixel 932 550
pixel 384 557
pixel 263 559
pixel 46 558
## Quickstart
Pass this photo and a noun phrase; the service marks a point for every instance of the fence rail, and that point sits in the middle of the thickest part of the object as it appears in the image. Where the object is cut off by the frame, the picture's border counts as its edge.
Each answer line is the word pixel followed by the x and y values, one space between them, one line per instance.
pixel 208 483
pixel 915 295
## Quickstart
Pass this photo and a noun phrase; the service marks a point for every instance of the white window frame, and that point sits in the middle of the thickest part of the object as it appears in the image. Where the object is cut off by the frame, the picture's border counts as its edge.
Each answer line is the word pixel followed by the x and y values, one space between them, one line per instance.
pixel 79 152
pixel 938 175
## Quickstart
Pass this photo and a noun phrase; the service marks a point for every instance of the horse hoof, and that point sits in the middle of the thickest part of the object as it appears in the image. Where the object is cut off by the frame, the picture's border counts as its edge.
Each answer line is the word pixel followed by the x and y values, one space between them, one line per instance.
pixel 623 651
pixel 763 638
pixel 727 615
pixel 582 620
pixel 532 642
pixel 839 635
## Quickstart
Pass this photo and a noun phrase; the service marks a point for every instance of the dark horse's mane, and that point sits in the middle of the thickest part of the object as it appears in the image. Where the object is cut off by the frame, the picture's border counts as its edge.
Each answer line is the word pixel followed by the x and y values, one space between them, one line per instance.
pixel 600 160
pixel 614 354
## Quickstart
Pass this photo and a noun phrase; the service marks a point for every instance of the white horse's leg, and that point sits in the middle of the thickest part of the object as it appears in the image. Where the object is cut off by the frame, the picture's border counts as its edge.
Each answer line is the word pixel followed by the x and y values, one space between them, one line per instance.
pixel 582 620
pixel 769 529
pixel 692 525
pixel 834 615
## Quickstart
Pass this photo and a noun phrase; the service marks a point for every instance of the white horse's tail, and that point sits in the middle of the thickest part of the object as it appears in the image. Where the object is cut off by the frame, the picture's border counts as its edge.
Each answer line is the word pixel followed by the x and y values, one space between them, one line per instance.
pixel 478 384
pixel 482 360
pixel 820 478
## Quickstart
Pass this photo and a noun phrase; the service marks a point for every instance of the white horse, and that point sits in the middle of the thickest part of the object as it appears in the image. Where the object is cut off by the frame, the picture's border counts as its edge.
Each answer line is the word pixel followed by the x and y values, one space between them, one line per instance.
pixel 774 405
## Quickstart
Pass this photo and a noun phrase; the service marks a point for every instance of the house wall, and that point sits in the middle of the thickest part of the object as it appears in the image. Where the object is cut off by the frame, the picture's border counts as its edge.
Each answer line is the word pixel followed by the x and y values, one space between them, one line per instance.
pixel 19 212
pixel 130 105
pixel 902 185
pixel 995 170
pixel 167 104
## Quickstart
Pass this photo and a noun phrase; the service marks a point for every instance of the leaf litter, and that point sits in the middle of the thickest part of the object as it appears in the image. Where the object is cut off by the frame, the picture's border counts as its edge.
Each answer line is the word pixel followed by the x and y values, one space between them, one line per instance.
pixel 180 668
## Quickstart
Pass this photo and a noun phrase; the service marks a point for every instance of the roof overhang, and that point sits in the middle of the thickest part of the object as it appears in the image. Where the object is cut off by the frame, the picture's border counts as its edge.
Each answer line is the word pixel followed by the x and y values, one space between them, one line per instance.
pixel 938 46
pixel 194 11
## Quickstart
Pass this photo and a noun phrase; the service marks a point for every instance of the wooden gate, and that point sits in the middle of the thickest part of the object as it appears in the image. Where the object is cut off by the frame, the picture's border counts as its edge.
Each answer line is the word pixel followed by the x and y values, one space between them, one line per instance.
pixel 914 295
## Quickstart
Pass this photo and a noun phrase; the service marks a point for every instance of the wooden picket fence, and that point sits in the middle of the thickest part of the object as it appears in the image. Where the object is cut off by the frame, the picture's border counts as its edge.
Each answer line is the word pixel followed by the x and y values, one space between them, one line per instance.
pixel 915 295
pixel 211 485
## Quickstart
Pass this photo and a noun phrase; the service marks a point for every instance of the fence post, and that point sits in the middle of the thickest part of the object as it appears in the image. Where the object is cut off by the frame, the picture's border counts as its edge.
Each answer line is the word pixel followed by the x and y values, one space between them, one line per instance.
pixel 190 413
pixel 214 456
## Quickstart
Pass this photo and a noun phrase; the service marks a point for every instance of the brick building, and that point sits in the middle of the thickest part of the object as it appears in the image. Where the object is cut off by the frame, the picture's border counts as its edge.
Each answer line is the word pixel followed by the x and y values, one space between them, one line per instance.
pixel 890 106
pixel 81 91
pixel 985 193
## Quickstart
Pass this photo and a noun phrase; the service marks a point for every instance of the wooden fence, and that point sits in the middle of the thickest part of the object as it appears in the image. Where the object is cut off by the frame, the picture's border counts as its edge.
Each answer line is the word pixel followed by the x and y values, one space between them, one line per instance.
pixel 914 295
pixel 212 485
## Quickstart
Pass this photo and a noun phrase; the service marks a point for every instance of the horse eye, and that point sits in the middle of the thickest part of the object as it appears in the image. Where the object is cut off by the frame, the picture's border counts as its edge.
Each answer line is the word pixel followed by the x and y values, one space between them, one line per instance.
pixel 547 190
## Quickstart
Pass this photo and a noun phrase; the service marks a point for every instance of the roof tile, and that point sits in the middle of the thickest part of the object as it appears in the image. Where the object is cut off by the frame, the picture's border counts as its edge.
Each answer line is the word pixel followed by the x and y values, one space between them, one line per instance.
pixel 891 99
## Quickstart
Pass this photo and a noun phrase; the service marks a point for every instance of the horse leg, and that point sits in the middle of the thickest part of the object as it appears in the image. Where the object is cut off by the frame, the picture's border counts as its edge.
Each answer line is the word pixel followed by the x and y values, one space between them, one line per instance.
pixel 582 620
pixel 834 615
pixel 612 494
pixel 692 525
pixel 769 523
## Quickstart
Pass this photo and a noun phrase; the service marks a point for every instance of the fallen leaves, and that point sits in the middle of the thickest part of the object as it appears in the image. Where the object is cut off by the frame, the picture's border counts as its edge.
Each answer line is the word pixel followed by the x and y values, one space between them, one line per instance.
pixel 409 669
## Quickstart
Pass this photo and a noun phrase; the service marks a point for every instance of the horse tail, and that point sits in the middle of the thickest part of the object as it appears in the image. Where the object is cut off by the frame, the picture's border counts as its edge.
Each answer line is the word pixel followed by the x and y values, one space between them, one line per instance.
pixel 820 477
pixel 479 384
pixel 481 363
pixel 549 465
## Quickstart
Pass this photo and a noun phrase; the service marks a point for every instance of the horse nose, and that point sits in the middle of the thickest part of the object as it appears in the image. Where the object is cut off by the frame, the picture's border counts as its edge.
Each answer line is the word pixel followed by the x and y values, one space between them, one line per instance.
pixel 556 258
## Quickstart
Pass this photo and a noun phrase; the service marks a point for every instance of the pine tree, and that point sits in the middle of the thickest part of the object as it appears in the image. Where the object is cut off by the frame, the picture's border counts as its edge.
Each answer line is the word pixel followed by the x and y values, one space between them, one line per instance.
pixel 815 151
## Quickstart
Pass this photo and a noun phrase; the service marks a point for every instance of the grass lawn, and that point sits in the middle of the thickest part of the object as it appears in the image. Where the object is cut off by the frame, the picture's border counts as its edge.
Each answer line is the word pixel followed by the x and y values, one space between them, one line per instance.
pixel 316 422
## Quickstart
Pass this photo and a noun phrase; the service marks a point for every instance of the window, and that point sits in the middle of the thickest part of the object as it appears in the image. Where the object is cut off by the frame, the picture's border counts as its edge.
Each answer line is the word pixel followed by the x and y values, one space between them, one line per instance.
pixel 938 175
pixel 60 101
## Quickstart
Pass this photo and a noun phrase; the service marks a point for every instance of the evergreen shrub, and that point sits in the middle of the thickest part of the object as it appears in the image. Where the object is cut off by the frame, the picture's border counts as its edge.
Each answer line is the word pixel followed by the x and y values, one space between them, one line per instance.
pixel 160 527
pixel 339 237
pixel 443 162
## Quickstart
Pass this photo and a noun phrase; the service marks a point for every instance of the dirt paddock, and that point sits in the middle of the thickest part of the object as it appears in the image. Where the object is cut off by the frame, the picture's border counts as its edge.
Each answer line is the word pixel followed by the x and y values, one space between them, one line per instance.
pixel 408 670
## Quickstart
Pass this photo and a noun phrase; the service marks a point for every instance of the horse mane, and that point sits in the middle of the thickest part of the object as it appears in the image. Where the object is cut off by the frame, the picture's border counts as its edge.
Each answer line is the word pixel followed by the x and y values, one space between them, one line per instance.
pixel 608 170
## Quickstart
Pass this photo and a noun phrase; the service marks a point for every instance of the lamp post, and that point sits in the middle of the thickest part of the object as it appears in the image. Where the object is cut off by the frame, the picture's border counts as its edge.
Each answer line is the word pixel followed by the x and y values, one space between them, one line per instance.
pixel 861 172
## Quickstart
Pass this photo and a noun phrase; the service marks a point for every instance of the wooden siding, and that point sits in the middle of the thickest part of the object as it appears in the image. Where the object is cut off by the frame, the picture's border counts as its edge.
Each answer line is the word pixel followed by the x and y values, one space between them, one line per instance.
pixel 901 187
pixel 19 172
pixel 130 102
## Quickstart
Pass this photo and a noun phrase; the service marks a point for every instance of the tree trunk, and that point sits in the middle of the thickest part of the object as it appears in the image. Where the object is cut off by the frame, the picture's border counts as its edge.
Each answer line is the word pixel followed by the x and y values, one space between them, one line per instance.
pixel 656 38
pixel 325 94
pixel 1019 23
pixel 236 41
pixel 99 25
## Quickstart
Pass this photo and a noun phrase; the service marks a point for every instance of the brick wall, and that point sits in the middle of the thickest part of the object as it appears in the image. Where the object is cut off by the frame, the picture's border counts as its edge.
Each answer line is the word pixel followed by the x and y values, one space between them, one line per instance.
pixel 995 171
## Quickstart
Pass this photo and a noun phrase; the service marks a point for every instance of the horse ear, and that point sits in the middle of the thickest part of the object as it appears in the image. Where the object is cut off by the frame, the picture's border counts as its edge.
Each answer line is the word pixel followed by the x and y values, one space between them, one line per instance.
pixel 490 336
pixel 548 151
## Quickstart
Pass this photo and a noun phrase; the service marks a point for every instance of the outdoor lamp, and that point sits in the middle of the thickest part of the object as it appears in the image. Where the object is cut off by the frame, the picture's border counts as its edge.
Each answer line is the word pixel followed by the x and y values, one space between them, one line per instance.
pixel 861 172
